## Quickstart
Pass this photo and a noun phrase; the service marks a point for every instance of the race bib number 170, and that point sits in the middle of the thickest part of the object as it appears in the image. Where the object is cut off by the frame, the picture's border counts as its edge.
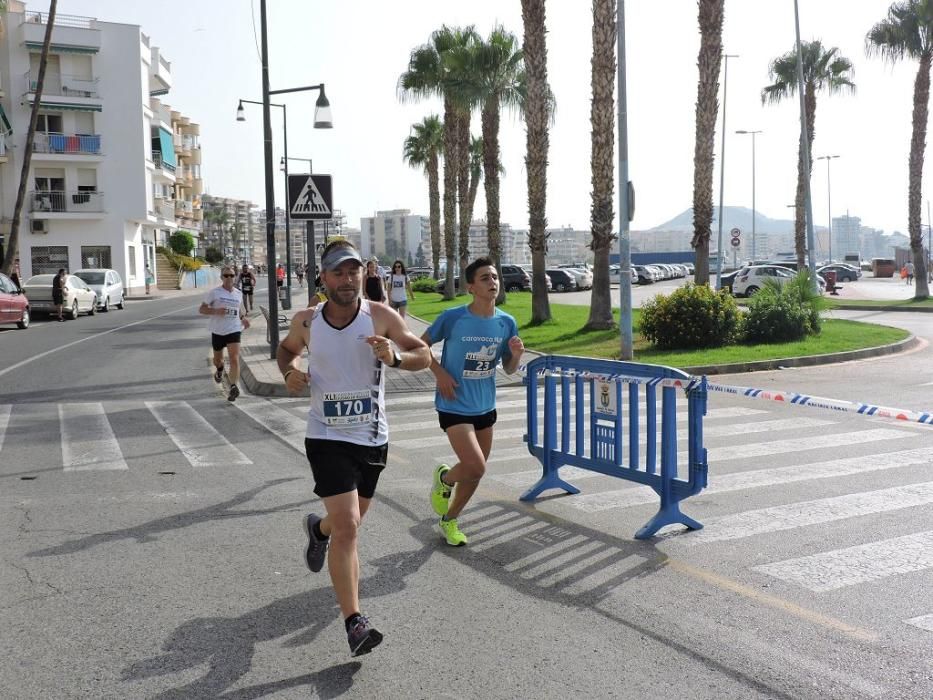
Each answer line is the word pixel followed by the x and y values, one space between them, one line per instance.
pixel 348 407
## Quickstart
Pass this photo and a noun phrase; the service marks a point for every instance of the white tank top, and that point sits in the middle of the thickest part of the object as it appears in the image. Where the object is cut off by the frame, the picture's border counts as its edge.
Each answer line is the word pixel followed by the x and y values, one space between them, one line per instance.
pixel 346 380
pixel 397 288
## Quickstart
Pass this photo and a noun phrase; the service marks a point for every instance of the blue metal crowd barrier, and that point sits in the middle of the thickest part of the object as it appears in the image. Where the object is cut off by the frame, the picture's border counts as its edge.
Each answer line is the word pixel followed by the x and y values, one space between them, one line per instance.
pixel 594 438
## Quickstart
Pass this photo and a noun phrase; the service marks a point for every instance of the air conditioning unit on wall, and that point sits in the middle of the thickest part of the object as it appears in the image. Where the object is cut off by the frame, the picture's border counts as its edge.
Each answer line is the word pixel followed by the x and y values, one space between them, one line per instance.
pixel 39 226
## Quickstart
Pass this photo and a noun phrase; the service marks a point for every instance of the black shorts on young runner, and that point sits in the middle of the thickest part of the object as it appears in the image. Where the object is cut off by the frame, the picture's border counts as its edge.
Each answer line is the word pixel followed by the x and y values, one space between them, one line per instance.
pixel 480 422
pixel 219 342
pixel 340 467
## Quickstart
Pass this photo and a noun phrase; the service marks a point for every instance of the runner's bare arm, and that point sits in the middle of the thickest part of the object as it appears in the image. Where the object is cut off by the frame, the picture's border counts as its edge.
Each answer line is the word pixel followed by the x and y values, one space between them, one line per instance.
pixel 243 319
pixel 516 347
pixel 290 349
pixel 389 325
pixel 207 310
pixel 446 384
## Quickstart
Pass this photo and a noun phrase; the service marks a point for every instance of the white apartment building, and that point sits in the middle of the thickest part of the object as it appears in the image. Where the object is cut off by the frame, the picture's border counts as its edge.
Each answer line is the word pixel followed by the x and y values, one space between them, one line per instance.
pixel 479 240
pixel 394 233
pixel 104 179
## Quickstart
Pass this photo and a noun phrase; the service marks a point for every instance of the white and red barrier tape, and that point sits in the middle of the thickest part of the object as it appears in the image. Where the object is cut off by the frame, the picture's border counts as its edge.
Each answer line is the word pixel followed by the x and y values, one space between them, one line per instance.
pixel 787 397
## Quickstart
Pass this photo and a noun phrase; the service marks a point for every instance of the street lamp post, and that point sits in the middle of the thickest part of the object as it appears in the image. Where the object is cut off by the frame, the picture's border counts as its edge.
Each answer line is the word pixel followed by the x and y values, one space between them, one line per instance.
pixel 754 243
pixel 722 165
pixel 322 120
pixel 829 203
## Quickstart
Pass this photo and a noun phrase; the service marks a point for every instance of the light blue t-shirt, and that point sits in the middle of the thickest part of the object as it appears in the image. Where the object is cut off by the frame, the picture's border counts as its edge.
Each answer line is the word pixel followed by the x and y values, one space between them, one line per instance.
pixel 473 347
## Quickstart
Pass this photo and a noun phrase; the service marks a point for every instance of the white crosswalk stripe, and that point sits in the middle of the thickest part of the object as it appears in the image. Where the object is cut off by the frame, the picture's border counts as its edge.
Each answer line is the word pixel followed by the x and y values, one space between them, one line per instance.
pixel 200 443
pixel 285 425
pixel 829 571
pixel 5 410
pixel 88 441
pixel 924 622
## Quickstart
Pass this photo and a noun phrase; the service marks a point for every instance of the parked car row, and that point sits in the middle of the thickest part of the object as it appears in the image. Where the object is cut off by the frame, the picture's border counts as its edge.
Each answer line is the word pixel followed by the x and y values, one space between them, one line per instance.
pixel 751 278
pixel 85 291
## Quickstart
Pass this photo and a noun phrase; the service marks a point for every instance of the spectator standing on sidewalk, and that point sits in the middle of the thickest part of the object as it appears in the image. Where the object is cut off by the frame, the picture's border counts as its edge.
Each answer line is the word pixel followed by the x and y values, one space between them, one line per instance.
pixel 476 338
pixel 399 288
pixel 374 288
pixel 280 275
pixel 224 304
pixel 910 272
pixel 348 342
pixel 58 292
pixel 150 280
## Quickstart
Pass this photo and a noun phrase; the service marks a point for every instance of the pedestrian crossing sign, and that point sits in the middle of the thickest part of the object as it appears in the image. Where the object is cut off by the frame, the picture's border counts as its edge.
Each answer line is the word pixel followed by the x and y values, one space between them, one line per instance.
pixel 310 197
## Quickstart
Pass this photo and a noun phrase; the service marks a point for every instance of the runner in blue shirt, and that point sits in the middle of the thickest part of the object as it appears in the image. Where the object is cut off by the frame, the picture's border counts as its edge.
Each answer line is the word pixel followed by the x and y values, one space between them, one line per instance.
pixel 476 338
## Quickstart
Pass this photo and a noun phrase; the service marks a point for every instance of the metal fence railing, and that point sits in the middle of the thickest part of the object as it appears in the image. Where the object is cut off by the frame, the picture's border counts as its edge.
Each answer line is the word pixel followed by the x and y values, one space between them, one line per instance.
pixel 80 201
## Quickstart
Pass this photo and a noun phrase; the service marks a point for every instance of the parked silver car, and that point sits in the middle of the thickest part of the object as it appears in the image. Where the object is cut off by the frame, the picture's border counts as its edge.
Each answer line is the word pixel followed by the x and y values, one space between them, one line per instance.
pixel 79 298
pixel 107 284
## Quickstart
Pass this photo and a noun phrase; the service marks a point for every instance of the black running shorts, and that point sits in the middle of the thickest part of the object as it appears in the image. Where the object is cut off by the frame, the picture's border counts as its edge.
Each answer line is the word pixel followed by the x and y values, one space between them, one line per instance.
pixel 219 342
pixel 340 467
pixel 480 422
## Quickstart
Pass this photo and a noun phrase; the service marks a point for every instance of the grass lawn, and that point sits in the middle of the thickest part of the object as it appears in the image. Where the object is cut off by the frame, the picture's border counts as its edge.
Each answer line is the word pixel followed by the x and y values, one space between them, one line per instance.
pixel 562 335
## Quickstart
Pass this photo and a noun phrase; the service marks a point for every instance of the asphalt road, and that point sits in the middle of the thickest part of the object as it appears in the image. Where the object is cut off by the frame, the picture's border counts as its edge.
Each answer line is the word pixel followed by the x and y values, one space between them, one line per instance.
pixel 151 544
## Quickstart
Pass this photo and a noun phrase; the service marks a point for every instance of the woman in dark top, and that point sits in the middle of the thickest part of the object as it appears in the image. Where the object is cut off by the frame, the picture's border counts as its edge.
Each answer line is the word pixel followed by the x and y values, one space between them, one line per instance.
pixel 58 292
pixel 373 288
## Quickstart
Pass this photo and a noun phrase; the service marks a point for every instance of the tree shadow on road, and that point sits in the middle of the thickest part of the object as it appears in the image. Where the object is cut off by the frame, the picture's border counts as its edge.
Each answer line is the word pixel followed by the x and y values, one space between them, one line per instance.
pixel 146 532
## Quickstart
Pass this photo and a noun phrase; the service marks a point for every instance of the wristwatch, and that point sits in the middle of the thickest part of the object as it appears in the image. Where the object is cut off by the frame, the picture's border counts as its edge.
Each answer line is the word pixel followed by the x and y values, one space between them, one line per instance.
pixel 398 358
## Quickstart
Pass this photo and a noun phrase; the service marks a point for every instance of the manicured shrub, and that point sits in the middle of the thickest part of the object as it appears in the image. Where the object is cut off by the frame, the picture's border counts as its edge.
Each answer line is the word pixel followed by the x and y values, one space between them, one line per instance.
pixel 693 316
pixel 425 284
pixel 181 242
pixel 783 313
pixel 213 255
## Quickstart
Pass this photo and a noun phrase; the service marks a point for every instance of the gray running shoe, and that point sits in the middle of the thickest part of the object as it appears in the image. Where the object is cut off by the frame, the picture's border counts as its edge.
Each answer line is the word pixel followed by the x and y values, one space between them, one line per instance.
pixel 219 374
pixel 316 551
pixel 234 392
pixel 362 636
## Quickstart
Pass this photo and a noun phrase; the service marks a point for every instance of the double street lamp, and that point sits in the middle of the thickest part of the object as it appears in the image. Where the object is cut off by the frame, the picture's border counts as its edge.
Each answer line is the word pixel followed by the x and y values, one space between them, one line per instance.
pixel 322 120
pixel 829 203
pixel 753 134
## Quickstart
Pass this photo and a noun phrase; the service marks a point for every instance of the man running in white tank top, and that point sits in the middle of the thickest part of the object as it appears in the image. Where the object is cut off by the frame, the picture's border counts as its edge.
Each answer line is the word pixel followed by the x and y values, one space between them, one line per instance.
pixel 348 341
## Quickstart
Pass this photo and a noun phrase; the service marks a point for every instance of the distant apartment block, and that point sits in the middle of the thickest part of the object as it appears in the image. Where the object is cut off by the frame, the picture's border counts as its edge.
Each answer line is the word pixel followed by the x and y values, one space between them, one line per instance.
pixel 394 233
pixel 479 240
pixel 104 185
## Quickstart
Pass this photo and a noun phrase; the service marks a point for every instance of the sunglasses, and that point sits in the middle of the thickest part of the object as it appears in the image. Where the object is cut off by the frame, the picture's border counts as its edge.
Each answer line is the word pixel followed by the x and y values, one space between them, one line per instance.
pixel 228 275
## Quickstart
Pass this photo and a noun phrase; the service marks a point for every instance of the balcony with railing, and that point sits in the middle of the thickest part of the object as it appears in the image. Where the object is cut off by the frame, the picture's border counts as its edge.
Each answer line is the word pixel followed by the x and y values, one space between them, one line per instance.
pixel 67 144
pixel 164 209
pixel 61 202
pixel 71 33
pixel 160 164
pixel 184 207
pixel 63 85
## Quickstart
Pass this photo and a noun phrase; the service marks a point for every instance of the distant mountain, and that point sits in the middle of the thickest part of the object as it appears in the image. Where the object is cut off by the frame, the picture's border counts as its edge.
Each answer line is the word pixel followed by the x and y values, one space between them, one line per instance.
pixel 740 217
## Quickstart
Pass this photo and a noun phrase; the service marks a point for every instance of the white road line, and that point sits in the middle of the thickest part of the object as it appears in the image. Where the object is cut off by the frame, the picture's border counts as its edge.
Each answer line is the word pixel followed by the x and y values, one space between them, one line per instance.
pixel 764 426
pixel 578 566
pixel 283 424
pixel 797 444
pixel 524 479
pixel 441 439
pixel 604 575
pixel 5 410
pixel 830 571
pixel 737 481
pixel 197 439
pixel 924 622
pixel 544 553
pixel 806 513
pixel 88 442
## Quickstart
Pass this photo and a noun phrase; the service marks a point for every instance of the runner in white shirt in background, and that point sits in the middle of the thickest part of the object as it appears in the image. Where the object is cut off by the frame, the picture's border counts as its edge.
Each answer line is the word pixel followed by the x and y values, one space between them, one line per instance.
pixel 224 304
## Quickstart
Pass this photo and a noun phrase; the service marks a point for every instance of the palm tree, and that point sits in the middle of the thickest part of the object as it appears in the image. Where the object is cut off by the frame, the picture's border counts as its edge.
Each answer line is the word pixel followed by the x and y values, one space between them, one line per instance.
pixel 823 69
pixel 12 251
pixel 499 81
pixel 476 169
pixel 430 74
pixel 710 14
pixel 908 32
pixel 538 109
pixel 602 143
pixel 422 149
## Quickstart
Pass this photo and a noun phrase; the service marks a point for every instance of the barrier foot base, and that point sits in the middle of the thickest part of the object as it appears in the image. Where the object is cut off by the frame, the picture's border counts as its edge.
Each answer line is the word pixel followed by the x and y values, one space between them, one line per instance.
pixel 668 515
pixel 548 481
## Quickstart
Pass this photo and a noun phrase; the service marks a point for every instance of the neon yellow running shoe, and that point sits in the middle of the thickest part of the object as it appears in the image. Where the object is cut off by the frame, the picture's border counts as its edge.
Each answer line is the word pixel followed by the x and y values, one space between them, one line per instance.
pixel 440 492
pixel 452 533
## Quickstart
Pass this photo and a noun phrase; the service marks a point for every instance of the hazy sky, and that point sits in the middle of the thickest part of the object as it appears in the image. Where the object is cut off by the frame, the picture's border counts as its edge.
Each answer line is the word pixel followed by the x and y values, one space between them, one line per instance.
pixel 358 48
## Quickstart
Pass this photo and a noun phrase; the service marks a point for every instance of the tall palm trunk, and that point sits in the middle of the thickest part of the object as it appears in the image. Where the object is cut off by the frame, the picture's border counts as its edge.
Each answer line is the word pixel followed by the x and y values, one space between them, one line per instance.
pixel 914 191
pixel 450 195
pixel 434 197
pixel 12 251
pixel 602 142
pixel 804 171
pixel 710 14
pixel 463 190
pixel 490 119
pixel 536 121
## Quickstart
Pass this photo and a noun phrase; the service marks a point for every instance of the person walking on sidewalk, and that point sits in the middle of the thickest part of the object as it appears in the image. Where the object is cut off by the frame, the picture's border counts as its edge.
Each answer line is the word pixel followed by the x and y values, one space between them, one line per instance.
pixel 280 275
pixel 348 342
pixel 374 288
pixel 150 279
pixel 399 288
pixel 476 338
pixel 910 272
pixel 224 304
pixel 247 284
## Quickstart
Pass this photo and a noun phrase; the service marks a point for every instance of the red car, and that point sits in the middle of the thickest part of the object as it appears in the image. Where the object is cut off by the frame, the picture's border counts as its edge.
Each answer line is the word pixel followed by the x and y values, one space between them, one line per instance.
pixel 14 306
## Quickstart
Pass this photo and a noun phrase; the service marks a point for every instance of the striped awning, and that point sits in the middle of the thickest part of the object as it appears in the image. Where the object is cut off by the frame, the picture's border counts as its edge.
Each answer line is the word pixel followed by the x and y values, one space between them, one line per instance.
pixel 61 48
pixel 70 107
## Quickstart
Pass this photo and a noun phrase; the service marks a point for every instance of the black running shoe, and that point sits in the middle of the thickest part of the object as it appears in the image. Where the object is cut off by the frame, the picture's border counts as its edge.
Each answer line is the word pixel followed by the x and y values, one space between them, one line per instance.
pixel 316 551
pixel 234 392
pixel 219 374
pixel 362 636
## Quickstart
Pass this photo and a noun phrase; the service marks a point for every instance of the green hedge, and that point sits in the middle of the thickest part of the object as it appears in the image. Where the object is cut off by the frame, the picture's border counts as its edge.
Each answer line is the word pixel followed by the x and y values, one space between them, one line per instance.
pixel 693 316
pixel 781 313
pixel 425 284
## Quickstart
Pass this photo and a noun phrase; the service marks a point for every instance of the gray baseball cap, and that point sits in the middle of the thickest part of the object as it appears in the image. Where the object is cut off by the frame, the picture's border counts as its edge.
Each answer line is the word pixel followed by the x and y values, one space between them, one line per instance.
pixel 339 255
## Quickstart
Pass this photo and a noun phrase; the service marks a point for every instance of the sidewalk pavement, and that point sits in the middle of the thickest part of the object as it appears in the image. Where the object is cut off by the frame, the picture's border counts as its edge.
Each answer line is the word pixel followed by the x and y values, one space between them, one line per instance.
pixel 261 376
